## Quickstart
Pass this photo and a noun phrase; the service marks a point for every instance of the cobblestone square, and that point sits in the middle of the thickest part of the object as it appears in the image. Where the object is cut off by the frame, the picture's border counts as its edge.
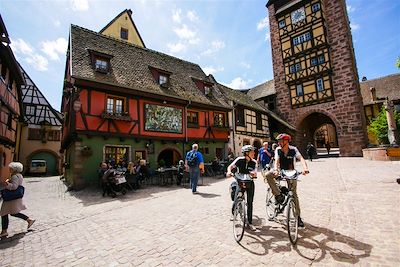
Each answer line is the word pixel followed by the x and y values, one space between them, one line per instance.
pixel 350 207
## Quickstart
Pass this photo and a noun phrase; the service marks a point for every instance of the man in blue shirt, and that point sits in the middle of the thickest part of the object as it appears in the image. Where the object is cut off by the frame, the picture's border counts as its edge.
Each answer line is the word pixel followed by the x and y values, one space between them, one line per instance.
pixel 194 164
pixel 264 155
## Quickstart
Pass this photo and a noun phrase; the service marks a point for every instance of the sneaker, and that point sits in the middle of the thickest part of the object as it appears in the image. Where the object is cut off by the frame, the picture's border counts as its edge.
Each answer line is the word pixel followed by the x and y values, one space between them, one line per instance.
pixel 279 199
pixel 252 227
pixel 300 222
pixel 231 218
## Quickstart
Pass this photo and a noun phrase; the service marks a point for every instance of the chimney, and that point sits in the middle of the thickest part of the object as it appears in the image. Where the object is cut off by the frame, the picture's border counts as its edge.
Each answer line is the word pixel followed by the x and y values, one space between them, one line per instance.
pixel 373 93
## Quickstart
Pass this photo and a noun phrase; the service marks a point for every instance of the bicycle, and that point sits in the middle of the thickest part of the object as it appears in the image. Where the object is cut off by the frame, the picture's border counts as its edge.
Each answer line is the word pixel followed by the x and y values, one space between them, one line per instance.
pixel 240 206
pixel 273 208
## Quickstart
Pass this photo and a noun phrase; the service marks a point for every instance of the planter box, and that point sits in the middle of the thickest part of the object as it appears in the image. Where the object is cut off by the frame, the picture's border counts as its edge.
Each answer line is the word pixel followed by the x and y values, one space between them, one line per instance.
pixel 382 153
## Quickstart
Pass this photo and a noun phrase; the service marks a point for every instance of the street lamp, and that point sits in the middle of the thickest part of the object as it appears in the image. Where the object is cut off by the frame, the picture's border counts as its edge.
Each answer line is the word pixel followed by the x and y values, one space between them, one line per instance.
pixel 392 128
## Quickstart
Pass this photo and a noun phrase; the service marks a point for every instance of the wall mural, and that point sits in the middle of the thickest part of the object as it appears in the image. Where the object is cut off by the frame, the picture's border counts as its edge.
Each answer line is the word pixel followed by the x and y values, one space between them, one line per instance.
pixel 163 119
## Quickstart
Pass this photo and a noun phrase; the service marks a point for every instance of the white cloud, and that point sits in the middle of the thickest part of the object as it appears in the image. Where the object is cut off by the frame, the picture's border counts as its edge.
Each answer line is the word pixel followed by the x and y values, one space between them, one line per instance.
pixel 176 48
pixel 80 5
pixel 56 23
pixel 211 70
pixel 354 26
pixel 192 16
pixel 215 47
pixel 238 83
pixel 20 46
pixel 53 48
pixel 350 8
pixel 263 24
pixel 184 32
pixel 39 62
pixel 176 15
pixel 245 65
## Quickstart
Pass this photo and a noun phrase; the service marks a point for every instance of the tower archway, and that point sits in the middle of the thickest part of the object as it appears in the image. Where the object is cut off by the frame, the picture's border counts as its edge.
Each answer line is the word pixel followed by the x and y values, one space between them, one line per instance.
pixel 318 129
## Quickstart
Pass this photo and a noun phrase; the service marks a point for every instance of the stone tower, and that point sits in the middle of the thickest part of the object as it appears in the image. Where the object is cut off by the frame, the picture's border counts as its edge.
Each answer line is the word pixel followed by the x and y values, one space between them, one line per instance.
pixel 315 73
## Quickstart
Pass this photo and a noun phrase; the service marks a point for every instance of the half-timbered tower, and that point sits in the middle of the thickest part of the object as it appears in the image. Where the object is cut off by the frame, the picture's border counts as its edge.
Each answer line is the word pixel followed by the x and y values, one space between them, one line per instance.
pixel 10 103
pixel 315 74
pixel 124 102
pixel 41 130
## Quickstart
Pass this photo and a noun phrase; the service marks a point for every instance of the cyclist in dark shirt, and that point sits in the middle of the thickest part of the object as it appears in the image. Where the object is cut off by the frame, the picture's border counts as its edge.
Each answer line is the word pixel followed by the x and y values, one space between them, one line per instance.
pixel 285 159
pixel 245 165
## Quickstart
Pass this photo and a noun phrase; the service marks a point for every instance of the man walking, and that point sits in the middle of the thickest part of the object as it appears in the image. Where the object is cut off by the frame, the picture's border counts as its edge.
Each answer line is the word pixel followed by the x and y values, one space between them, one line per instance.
pixel 194 164
pixel 264 155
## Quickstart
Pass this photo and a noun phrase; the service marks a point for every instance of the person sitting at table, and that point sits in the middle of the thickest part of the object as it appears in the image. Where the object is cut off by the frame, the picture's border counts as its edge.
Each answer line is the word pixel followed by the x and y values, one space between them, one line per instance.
pixel 215 165
pixel 132 176
pixel 181 169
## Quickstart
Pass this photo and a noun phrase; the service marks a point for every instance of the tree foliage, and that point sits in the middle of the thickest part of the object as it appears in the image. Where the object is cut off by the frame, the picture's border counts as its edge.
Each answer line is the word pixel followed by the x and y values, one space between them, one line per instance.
pixel 379 126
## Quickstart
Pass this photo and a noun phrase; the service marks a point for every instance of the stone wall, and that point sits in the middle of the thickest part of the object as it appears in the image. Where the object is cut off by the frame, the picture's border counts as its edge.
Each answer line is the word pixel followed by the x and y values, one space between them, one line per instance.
pixel 346 110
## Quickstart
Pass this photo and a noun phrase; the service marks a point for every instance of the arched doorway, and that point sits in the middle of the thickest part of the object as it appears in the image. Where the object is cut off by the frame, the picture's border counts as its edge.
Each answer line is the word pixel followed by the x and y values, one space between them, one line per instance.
pixel 51 161
pixel 318 129
pixel 169 156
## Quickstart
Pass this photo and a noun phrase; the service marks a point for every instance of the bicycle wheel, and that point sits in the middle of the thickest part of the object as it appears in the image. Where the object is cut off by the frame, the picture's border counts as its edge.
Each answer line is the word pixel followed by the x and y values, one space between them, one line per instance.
pixel 270 204
pixel 291 220
pixel 239 219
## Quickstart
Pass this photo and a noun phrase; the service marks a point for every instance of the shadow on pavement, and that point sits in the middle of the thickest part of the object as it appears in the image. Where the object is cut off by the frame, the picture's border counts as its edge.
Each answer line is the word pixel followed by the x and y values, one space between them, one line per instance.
pixel 92 195
pixel 340 247
pixel 11 241
pixel 208 195
pixel 314 243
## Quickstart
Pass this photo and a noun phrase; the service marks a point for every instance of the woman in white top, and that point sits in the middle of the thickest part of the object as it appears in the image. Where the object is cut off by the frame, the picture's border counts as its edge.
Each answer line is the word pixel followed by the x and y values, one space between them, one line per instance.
pixel 13 207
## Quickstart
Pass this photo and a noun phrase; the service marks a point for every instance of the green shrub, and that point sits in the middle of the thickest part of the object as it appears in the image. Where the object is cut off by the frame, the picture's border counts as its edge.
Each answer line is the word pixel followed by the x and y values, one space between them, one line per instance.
pixel 379 126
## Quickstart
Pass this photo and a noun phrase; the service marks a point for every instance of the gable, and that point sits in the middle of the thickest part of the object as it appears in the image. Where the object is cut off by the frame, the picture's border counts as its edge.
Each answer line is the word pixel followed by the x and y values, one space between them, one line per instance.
pixel 125 23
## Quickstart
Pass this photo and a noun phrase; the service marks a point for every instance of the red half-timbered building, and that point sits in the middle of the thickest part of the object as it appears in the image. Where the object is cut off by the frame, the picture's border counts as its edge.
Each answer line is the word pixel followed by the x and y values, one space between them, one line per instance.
pixel 10 103
pixel 125 102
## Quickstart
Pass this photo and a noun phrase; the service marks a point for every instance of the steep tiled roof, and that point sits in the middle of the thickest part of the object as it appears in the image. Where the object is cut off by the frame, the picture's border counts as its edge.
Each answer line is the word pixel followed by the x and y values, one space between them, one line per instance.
pixel 130 68
pixel 262 90
pixel 44 112
pixel 388 86
pixel 245 100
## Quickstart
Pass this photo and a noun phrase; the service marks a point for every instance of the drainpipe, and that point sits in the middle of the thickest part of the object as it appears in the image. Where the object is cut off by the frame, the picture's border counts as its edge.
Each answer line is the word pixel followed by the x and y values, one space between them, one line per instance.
pixel 233 126
pixel 186 128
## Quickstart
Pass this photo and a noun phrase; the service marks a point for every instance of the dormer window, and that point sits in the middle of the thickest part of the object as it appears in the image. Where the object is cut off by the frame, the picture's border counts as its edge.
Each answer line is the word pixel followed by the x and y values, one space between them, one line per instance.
pixel 100 61
pixel 124 34
pixel 207 90
pixel 101 65
pixel 161 77
pixel 163 80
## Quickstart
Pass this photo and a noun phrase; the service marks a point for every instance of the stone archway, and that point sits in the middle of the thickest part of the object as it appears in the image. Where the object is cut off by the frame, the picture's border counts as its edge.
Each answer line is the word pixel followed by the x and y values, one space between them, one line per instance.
pixel 170 156
pixel 317 128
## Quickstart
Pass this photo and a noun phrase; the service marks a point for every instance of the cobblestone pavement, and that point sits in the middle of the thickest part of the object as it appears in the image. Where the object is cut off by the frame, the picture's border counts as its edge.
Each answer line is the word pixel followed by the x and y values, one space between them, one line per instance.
pixel 350 207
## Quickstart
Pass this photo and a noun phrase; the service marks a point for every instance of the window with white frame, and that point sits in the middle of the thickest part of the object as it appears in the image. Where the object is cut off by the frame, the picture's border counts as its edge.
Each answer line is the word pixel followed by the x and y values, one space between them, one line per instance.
pixel 302 38
pixel 101 65
pixel 315 7
pixel 115 105
pixel 320 85
pixel 299 90
pixel 294 68
pixel 163 79
pixel 30 110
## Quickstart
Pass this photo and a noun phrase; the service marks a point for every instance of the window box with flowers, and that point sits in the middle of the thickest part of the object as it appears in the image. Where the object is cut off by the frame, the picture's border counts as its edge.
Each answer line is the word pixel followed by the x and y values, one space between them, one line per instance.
pixel 123 116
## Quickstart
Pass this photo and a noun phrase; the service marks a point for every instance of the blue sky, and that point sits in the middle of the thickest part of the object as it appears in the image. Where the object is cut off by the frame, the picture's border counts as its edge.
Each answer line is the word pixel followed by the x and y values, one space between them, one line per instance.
pixel 228 38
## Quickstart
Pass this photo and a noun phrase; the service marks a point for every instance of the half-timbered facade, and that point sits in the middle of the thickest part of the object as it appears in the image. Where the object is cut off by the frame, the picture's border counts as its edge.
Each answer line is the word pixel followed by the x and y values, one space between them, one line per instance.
pixel 41 130
pixel 315 75
pixel 10 103
pixel 123 102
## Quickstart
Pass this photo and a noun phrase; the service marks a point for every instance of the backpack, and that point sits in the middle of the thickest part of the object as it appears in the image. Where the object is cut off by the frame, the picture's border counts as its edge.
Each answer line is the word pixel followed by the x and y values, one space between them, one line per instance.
pixel 192 158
